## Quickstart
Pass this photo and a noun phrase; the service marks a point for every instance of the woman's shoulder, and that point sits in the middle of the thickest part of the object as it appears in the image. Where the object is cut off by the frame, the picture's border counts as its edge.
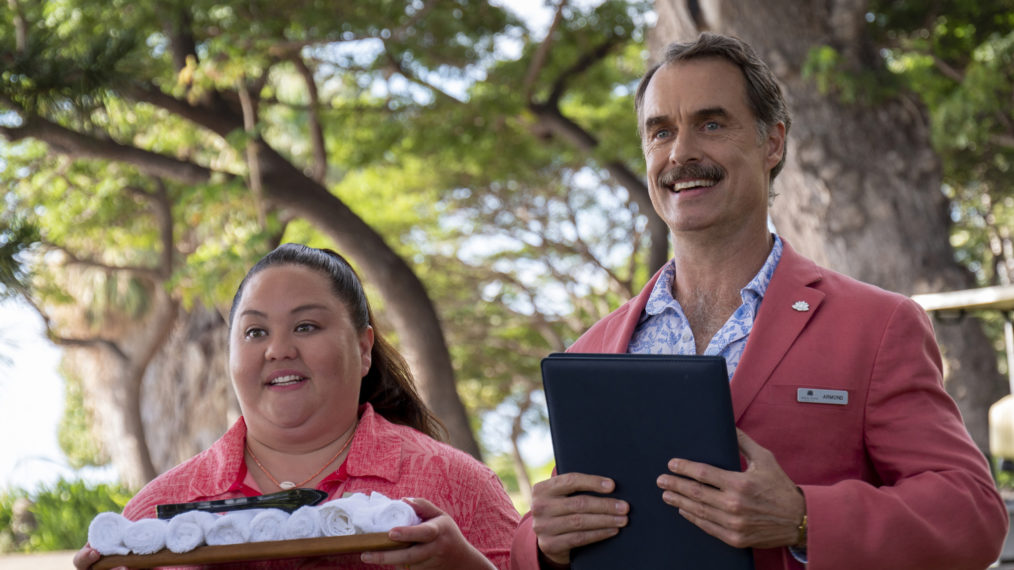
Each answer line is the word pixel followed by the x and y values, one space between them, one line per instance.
pixel 420 450
pixel 208 473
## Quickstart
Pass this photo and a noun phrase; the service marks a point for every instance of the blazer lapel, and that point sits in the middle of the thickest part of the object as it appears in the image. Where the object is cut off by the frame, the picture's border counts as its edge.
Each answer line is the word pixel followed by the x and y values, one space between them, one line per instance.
pixel 788 305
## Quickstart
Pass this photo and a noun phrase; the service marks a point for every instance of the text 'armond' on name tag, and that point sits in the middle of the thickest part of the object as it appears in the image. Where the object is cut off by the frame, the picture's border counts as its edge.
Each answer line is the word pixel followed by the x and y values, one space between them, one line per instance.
pixel 818 396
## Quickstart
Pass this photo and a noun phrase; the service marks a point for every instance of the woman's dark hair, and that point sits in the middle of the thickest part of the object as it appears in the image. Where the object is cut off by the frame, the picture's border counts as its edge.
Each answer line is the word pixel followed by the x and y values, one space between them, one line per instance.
pixel 762 91
pixel 388 385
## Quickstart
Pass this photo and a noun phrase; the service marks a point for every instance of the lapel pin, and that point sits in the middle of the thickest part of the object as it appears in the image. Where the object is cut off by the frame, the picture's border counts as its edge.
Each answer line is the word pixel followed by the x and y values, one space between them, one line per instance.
pixel 801 306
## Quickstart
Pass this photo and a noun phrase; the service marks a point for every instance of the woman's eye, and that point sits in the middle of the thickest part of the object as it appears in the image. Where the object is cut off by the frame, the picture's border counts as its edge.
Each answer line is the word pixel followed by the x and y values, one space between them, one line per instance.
pixel 306 327
pixel 254 333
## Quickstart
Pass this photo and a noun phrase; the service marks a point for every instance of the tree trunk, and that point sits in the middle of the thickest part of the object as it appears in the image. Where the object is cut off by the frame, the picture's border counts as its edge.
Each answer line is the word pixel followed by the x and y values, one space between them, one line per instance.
pixel 861 188
pixel 112 373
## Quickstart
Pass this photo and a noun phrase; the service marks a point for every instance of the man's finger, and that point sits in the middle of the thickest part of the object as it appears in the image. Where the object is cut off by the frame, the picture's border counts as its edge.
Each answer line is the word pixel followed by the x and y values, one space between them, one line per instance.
pixel 570 483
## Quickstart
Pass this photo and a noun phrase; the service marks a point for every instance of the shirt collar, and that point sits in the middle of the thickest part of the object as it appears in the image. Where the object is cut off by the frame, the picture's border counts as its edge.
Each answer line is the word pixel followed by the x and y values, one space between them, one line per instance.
pixel 376 447
pixel 661 297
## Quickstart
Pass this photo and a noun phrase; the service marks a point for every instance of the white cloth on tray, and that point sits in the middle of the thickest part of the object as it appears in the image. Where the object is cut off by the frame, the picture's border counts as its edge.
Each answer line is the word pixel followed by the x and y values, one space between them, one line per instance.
pixel 232 527
pixel 267 525
pixel 146 536
pixel 186 530
pixel 304 522
pixel 105 533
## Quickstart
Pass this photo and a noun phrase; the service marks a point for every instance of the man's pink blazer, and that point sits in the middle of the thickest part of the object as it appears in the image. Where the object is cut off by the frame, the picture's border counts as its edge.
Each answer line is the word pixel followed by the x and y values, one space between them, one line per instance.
pixel 892 479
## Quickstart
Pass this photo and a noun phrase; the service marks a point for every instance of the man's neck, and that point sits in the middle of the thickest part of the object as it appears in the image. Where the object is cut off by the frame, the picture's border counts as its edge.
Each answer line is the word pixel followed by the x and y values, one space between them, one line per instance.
pixel 710 274
pixel 719 263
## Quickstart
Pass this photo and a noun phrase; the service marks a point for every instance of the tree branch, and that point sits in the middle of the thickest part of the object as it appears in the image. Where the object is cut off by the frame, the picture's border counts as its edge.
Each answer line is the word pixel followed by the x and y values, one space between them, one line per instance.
pixel 946 69
pixel 319 168
pixel 554 121
pixel 93 342
pixel 1002 139
pixel 397 66
pixel 163 214
pixel 78 145
pixel 589 59
pixel 150 273
pixel 539 59
pixel 177 27
pixel 217 115
pixel 252 157
pixel 20 26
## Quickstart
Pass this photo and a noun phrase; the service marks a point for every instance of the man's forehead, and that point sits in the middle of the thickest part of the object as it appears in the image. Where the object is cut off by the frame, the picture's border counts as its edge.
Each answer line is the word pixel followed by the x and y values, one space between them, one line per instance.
pixel 693 87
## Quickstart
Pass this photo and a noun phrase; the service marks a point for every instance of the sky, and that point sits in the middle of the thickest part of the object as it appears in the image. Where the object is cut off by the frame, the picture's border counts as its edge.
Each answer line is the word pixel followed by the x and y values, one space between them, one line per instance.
pixel 31 404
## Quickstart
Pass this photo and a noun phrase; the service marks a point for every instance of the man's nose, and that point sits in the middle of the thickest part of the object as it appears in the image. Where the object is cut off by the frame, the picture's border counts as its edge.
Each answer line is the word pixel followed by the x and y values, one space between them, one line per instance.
pixel 684 147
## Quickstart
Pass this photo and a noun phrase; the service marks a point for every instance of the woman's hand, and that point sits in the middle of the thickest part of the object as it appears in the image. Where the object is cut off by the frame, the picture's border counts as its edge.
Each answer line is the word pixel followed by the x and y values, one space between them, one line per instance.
pixel 438 543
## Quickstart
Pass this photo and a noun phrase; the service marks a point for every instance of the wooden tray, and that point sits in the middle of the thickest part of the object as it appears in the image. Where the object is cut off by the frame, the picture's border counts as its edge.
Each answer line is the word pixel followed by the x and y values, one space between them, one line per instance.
pixel 254 551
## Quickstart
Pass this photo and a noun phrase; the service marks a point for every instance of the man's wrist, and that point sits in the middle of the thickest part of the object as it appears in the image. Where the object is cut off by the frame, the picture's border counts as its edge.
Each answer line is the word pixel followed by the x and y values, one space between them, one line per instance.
pixel 801 528
pixel 546 564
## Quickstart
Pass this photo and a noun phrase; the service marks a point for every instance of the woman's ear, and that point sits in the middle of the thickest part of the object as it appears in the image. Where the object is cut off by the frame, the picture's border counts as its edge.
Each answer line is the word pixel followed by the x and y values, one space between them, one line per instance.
pixel 366 348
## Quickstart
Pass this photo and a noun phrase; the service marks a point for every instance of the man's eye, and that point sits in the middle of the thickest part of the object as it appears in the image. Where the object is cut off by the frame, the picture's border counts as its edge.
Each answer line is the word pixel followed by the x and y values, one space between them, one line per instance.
pixel 662 133
pixel 712 126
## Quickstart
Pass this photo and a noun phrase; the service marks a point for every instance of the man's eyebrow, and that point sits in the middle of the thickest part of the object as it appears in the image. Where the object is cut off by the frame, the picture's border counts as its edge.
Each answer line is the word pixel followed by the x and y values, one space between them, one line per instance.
pixel 710 112
pixel 654 120
pixel 699 115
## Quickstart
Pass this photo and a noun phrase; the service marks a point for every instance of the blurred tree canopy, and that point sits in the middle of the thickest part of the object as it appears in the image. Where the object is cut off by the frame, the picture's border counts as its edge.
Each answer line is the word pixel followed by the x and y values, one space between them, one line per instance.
pixel 959 56
pixel 159 148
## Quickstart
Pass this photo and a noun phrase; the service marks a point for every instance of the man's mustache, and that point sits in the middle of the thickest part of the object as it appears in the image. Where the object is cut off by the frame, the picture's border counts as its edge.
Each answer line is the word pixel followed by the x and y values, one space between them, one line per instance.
pixel 692 171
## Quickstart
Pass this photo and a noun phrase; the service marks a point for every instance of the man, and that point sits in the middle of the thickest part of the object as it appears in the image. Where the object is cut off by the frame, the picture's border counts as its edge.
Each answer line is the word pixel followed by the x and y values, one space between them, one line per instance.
pixel 886 475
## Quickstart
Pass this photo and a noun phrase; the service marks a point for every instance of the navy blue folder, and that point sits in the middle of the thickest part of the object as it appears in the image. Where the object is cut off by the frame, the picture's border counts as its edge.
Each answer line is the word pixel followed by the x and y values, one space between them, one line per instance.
pixel 625 416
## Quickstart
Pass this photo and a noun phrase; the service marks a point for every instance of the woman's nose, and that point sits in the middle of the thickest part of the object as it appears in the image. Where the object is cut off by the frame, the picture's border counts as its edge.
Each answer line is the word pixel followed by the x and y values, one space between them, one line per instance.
pixel 280 347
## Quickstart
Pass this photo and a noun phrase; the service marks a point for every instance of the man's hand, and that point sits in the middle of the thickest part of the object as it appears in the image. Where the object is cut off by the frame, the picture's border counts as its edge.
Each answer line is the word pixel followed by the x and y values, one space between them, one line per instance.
pixel 760 507
pixel 563 521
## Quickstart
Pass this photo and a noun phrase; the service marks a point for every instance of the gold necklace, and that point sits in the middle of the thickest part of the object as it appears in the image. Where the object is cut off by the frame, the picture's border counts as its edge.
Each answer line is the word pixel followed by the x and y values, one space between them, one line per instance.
pixel 286 485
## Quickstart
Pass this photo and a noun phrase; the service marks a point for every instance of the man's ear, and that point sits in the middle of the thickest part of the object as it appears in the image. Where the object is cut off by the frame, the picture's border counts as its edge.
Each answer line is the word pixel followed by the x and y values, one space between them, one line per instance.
pixel 775 144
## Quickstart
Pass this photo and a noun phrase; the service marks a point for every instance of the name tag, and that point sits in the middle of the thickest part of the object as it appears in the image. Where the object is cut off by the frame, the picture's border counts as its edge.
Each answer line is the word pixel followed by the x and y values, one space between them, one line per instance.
pixel 817 396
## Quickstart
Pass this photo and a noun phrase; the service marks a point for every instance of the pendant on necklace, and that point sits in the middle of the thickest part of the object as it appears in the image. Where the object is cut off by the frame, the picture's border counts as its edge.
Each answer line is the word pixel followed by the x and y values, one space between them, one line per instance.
pixel 286 485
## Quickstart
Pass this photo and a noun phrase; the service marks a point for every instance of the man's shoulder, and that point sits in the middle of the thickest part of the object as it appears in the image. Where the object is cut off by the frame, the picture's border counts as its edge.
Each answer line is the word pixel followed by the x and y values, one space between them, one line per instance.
pixel 797 268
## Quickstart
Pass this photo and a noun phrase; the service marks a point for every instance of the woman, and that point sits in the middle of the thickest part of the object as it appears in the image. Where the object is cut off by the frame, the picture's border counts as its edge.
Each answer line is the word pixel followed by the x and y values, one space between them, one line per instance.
pixel 327 403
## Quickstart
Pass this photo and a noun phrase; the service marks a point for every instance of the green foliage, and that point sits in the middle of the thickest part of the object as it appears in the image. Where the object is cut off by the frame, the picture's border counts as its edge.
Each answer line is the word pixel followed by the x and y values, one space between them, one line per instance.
pixel 521 238
pixel 75 433
pixel 61 514
pixel 16 238
pixel 958 57
pixel 865 86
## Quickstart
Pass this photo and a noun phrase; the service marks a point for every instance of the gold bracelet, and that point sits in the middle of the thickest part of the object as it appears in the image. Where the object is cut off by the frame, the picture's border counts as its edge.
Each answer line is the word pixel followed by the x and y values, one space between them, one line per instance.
pixel 801 533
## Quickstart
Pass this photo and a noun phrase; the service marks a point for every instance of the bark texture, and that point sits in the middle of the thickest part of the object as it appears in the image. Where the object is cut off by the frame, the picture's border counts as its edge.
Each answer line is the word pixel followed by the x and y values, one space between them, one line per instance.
pixel 860 191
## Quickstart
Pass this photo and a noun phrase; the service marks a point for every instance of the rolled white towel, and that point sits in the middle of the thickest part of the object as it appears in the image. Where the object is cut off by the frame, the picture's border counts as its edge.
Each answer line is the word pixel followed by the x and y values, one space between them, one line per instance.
pixel 146 536
pixel 303 523
pixel 231 528
pixel 336 517
pixel 267 525
pixel 186 530
pixel 105 533
pixel 394 513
